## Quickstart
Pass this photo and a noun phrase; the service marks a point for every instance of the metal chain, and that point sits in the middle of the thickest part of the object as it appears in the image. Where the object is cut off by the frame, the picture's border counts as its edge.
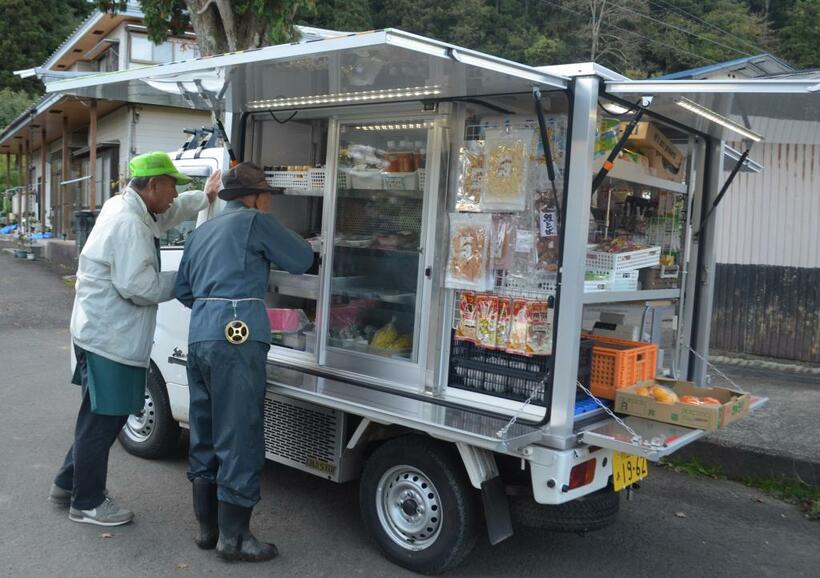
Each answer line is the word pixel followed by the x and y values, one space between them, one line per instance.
pixel 635 437
pixel 502 433
pixel 719 372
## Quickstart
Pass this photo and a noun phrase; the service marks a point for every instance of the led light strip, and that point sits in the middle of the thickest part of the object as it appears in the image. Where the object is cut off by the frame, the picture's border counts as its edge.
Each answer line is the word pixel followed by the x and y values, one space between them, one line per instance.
pixel 718 119
pixel 345 97
pixel 394 126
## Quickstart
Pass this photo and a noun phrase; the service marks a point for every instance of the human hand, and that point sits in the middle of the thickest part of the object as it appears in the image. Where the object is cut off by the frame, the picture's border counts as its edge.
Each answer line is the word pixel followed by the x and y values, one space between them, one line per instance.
pixel 213 184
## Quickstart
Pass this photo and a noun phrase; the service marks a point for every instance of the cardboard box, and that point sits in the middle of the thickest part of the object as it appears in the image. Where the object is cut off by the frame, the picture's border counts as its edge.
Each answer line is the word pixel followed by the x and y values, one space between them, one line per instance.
pixel 647 136
pixel 734 405
pixel 660 167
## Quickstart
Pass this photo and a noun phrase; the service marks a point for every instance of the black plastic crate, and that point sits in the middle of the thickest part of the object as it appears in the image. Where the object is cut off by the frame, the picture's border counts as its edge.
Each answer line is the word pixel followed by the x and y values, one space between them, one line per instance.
pixel 507 375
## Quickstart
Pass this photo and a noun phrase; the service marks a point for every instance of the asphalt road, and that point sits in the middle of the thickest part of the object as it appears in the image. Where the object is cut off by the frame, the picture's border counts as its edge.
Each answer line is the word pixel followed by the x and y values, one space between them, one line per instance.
pixel 675 526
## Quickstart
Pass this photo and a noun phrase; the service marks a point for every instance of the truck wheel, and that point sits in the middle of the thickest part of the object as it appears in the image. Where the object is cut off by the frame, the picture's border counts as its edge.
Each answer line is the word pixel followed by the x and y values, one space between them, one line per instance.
pixel 592 512
pixel 418 505
pixel 153 432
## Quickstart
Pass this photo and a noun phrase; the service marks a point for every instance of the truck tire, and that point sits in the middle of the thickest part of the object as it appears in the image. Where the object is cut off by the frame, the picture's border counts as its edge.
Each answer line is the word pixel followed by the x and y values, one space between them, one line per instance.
pixel 152 433
pixel 418 505
pixel 592 512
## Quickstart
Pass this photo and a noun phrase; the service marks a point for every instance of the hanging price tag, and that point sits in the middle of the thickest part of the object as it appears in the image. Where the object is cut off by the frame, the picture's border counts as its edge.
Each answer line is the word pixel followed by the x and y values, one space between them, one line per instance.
pixel 549 223
pixel 524 241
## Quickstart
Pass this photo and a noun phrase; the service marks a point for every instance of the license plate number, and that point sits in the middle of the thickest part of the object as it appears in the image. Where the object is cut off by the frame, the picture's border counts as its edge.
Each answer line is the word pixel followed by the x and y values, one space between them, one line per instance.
pixel 627 469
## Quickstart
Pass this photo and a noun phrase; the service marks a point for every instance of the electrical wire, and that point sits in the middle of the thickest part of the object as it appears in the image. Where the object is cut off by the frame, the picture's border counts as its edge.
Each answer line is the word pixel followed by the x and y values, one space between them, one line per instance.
pixel 288 119
pixel 616 27
pixel 680 11
pixel 679 29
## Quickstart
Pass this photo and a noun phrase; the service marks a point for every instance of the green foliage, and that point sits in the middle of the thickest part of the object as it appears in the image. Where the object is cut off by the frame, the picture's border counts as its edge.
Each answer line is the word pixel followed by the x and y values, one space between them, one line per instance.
pixel 12 104
pixel 30 31
pixel 790 491
pixel 800 34
pixel 693 467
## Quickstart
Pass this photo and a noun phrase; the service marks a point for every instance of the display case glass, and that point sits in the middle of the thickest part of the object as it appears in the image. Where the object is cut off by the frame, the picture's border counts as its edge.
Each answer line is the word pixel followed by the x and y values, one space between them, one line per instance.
pixel 375 286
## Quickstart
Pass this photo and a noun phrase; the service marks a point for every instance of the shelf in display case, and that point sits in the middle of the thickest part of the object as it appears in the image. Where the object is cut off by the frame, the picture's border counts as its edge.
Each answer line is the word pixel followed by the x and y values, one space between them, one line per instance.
pixel 377 250
pixel 626 296
pixel 378 193
pixel 632 174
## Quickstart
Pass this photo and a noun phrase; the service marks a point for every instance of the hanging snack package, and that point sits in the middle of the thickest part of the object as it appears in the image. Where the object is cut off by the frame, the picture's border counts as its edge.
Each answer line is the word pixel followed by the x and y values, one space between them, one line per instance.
pixel 487 307
pixel 539 331
pixel 503 241
pixel 506 158
pixel 502 328
pixel 519 322
pixel 465 330
pixel 469 259
pixel 470 177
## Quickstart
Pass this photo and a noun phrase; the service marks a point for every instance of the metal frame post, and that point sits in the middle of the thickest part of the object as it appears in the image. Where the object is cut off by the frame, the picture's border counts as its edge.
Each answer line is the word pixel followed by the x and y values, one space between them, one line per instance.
pixel 65 174
pixel 43 178
pixel 576 230
pixel 705 279
pixel 92 156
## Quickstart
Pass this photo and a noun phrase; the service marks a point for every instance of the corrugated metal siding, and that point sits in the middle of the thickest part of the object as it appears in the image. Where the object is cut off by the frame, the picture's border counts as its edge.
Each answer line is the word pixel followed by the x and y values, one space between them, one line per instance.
pixel 772 218
pixel 769 311
pixel 160 129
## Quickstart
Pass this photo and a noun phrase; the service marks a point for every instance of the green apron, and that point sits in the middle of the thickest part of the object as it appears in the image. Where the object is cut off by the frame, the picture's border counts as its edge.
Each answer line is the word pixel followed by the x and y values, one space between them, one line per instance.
pixel 113 388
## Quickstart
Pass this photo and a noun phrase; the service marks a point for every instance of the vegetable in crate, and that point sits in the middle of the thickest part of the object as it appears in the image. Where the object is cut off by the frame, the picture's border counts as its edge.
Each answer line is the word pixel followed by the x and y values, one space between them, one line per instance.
pixel 385 336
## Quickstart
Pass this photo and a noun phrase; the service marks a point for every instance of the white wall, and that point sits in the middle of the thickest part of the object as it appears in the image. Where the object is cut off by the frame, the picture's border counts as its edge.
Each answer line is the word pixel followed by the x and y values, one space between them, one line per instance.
pixel 160 129
pixel 773 218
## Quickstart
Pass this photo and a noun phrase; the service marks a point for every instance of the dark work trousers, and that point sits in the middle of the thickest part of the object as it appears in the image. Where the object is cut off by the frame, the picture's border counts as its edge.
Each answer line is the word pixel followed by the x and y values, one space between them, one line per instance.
pixel 85 468
pixel 227 395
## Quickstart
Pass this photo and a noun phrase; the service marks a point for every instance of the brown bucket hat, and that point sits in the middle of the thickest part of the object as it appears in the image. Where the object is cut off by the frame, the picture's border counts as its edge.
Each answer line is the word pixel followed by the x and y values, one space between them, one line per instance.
pixel 244 179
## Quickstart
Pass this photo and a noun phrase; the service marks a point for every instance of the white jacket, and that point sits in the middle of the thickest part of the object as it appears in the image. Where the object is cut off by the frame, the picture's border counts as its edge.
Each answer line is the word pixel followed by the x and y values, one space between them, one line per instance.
pixel 118 280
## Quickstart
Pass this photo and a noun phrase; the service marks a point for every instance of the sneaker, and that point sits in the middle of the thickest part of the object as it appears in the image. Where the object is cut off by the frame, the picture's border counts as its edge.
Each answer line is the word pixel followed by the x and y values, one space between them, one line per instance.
pixel 106 514
pixel 58 496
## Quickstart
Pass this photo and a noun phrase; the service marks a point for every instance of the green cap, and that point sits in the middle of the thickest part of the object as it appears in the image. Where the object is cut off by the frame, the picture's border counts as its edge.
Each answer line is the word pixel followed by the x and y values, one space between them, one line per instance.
pixel 154 165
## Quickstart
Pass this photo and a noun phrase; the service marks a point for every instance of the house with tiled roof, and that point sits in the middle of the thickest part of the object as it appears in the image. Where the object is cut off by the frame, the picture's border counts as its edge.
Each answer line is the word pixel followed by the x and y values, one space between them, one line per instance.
pixel 72 153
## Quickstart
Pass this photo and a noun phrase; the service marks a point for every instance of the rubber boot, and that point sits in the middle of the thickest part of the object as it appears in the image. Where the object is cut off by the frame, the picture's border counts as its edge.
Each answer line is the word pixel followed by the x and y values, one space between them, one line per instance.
pixel 206 508
pixel 235 539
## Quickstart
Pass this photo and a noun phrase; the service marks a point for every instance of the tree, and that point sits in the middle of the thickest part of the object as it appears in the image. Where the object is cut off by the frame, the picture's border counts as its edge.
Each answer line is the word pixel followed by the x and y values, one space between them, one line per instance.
pixel 12 104
pixel 221 25
pixel 30 31
pixel 799 37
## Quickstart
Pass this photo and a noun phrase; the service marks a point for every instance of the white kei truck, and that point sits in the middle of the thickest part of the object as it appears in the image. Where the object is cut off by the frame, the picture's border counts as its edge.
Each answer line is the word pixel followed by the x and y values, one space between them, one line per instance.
pixel 394 154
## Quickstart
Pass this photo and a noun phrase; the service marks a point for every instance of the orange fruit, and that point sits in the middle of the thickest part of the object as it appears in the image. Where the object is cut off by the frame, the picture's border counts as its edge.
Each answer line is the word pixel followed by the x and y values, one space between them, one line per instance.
pixel 691 399
pixel 664 395
pixel 710 401
pixel 643 392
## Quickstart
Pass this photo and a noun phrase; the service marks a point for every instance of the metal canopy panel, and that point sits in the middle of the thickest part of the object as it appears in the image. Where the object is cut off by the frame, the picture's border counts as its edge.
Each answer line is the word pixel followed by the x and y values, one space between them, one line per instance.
pixel 746 102
pixel 383 66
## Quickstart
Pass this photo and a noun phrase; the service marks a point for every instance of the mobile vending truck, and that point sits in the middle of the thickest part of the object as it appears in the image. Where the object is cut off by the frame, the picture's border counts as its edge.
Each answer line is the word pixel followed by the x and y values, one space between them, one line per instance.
pixel 508 313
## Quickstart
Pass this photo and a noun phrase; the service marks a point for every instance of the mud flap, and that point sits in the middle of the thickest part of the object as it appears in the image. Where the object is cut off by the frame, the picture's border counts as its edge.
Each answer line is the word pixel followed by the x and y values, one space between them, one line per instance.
pixel 496 510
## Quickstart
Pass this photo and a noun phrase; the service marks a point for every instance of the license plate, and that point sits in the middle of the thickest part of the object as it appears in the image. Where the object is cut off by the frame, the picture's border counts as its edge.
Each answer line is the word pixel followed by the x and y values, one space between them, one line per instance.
pixel 627 469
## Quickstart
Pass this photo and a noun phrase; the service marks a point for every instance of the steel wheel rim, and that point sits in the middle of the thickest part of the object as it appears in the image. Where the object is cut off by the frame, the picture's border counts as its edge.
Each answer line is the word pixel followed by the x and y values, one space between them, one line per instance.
pixel 140 426
pixel 409 508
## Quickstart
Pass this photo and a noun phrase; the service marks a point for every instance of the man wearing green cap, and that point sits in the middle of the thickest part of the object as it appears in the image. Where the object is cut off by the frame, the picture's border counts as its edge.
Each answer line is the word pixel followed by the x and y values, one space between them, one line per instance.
pixel 119 284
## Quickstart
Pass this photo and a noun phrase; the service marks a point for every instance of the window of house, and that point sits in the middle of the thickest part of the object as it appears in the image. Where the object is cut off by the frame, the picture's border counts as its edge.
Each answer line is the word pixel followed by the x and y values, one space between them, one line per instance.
pixel 110 60
pixel 143 51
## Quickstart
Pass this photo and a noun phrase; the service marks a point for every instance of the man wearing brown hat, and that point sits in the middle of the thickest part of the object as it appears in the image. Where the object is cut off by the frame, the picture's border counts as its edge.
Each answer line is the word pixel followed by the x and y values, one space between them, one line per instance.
pixel 223 278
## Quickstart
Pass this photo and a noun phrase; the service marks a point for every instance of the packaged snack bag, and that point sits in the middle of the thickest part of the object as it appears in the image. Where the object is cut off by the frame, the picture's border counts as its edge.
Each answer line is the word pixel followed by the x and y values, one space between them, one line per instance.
pixel 487 306
pixel 502 330
pixel 470 177
pixel 468 264
pixel 519 323
pixel 506 158
pixel 465 330
pixel 539 331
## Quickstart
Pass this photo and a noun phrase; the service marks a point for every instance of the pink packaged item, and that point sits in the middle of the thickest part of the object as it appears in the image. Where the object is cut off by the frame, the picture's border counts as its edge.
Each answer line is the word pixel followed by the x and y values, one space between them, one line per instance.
pixel 286 320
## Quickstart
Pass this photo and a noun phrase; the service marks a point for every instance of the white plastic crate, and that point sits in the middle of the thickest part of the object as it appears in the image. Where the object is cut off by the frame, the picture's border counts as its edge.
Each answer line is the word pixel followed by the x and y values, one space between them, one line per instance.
pixel 626 281
pixel 421 175
pixel 371 180
pixel 623 262
pixel 316 180
pixel 342 180
pixel 288 179
pixel 596 286
pixel 399 181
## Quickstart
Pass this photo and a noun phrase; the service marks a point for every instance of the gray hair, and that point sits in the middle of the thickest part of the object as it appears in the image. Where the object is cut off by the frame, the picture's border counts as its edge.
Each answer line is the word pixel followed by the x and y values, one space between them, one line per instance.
pixel 139 183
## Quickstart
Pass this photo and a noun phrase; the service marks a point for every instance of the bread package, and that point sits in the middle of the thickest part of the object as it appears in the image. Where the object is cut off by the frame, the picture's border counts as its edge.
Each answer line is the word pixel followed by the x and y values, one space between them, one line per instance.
pixel 468 263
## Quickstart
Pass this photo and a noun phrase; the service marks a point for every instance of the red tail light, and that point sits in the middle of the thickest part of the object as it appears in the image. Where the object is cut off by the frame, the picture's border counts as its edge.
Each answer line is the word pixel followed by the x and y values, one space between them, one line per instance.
pixel 582 474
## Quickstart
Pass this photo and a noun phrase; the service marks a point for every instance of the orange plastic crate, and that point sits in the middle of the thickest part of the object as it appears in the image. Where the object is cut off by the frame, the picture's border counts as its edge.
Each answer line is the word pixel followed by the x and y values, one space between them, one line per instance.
pixel 618 363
